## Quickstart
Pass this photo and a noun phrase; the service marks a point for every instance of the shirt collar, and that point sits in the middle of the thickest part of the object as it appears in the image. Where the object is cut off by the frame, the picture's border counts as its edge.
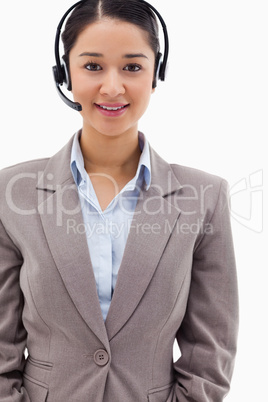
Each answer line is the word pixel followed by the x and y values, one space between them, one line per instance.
pixel 77 160
pixel 143 171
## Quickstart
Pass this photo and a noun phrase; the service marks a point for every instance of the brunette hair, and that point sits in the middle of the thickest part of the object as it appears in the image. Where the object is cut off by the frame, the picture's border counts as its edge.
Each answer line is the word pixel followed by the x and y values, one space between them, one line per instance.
pixel 89 11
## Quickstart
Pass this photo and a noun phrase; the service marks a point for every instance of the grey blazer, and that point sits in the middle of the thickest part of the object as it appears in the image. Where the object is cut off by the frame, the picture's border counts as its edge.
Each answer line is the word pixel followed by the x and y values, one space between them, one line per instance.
pixel 177 279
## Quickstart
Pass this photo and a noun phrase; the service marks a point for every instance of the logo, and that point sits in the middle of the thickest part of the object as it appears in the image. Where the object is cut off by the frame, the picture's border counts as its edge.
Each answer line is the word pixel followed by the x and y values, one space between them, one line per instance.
pixel 246 199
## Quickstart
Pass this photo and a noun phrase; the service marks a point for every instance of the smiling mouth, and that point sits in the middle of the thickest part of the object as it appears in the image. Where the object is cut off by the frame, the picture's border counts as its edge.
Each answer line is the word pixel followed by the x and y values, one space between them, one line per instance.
pixel 111 108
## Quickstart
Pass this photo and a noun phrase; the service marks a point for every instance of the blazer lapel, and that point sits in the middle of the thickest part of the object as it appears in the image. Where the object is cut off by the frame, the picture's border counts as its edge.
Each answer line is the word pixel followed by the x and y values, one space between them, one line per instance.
pixel 60 211
pixel 145 245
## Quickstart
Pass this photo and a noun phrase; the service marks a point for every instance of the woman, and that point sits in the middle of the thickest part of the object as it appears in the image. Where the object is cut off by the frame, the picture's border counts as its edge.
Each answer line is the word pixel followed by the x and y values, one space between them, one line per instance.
pixel 108 253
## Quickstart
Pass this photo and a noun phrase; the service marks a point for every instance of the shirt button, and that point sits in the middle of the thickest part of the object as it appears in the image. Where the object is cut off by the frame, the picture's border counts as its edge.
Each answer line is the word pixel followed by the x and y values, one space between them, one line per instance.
pixel 101 357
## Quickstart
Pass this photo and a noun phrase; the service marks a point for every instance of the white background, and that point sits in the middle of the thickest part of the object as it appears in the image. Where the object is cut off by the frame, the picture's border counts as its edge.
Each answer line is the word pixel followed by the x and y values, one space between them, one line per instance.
pixel 211 113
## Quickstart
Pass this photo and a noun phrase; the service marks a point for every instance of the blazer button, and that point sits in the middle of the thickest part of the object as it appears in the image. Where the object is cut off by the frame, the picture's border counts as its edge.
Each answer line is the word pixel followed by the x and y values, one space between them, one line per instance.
pixel 101 357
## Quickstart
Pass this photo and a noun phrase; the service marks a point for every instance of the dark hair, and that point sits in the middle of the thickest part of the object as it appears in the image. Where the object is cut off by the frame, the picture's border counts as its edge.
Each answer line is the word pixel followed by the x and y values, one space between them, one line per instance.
pixel 133 11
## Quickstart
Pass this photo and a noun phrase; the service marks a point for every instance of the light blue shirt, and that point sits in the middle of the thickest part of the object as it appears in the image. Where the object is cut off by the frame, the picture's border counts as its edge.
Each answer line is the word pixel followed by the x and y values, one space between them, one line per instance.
pixel 107 230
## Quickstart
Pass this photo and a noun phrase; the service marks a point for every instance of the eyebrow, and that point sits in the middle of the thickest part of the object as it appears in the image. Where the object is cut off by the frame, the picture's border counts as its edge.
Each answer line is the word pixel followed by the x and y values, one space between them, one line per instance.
pixel 126 56
pixel 133 55
pixel 91 54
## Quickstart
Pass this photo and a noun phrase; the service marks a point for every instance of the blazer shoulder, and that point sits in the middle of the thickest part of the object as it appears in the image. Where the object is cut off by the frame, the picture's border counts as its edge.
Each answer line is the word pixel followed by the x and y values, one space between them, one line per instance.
pixel 195 177
pixel 32 166
pixel 206 187
pixel 20 174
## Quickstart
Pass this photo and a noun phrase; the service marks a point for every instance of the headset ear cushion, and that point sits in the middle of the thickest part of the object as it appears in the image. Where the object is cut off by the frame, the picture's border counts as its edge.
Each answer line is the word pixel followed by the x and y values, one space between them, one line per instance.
pixel 66 73
pixel 157 71
pixel 56 74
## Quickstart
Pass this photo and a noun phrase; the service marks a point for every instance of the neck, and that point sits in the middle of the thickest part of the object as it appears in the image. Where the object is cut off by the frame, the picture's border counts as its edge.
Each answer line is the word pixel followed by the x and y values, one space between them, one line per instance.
pixel 116 155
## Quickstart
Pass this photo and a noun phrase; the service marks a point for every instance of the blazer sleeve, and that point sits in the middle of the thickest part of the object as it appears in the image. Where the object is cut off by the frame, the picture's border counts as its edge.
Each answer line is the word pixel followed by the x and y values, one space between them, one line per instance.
pixel 208 334
pixel 12 332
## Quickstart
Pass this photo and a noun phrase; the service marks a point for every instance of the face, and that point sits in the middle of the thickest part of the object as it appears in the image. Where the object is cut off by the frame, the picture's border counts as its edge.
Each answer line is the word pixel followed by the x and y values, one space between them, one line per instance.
pixel 112 69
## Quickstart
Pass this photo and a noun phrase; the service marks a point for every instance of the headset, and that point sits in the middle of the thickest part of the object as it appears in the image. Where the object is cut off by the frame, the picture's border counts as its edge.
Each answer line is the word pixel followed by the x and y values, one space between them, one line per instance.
pixel 61 71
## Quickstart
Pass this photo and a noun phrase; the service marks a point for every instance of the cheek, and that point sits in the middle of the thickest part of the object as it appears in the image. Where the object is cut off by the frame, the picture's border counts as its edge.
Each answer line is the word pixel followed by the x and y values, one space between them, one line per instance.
pixel 142 92
pixel 142 87
pixel 81 87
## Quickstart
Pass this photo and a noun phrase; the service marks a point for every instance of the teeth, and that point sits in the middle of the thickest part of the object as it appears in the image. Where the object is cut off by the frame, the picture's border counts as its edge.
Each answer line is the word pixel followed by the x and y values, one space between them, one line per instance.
pixel 111 108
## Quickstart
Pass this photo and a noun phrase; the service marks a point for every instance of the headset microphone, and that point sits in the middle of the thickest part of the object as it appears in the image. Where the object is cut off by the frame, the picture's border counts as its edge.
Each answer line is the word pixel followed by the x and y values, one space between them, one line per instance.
pixel 73 105
pixel 61 73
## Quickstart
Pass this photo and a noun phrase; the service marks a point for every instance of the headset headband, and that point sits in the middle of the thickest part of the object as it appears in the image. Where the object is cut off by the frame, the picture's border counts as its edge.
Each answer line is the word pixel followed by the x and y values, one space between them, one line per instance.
pixel 60 71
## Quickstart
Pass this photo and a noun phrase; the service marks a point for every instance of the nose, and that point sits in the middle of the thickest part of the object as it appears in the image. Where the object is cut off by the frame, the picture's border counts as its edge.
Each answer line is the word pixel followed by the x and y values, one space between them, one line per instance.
pixel 112 84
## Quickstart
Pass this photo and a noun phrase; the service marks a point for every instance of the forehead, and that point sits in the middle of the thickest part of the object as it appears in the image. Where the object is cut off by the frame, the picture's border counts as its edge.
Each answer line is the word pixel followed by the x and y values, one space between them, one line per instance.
pixel 112 33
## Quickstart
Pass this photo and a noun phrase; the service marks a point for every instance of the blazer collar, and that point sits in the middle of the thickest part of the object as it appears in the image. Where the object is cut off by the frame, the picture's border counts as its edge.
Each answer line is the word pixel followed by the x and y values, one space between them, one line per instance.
pixel 164 180
pixel 59 202
pixel 58 172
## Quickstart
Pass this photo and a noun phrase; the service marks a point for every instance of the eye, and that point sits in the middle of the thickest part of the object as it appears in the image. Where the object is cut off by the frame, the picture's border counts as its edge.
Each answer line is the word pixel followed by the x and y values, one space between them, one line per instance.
pixel 93 66
pixel 133 67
